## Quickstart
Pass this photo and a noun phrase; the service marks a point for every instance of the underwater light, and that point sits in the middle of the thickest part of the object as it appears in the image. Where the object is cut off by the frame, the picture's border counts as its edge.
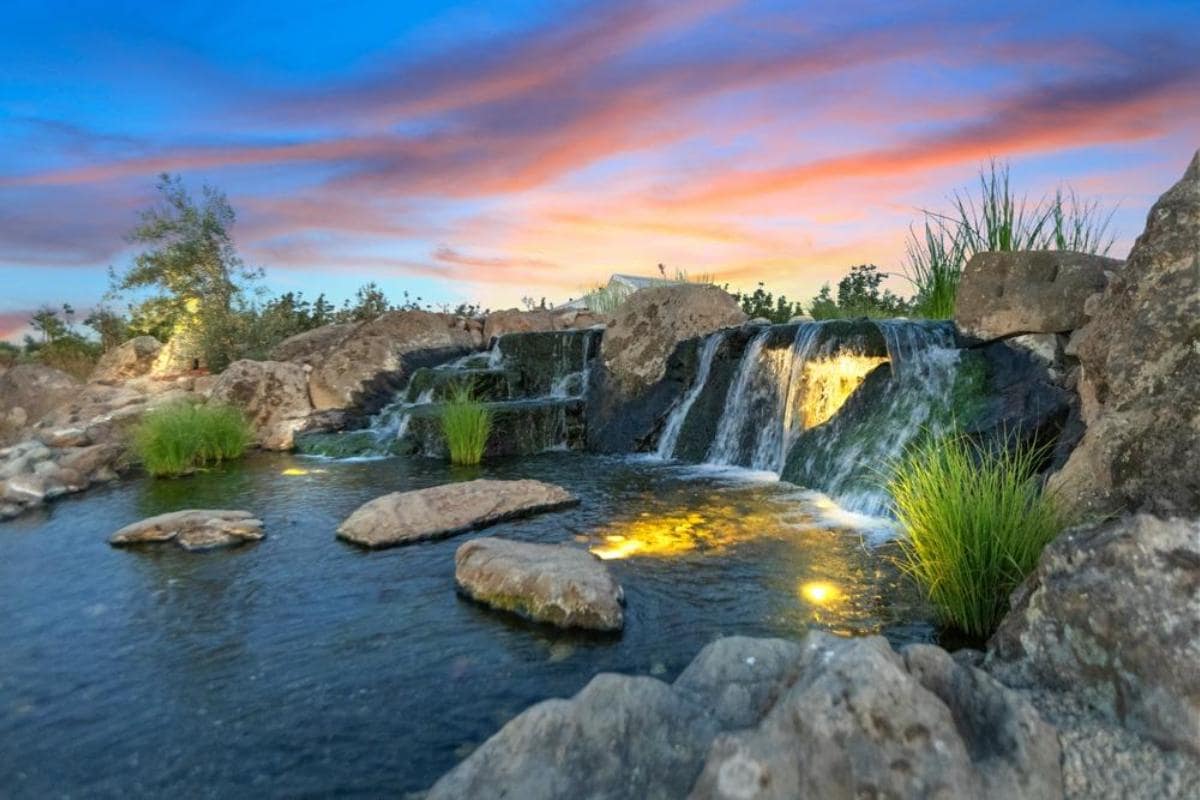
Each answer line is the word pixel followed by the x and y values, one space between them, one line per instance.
pixel 820 593
pixel 293 472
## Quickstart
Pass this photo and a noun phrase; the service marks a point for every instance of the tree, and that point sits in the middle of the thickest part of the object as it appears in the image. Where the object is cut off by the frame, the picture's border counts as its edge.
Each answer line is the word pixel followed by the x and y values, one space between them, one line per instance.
pixel 46 322
pixel 190 263
pixel 369 303
pixel 858 295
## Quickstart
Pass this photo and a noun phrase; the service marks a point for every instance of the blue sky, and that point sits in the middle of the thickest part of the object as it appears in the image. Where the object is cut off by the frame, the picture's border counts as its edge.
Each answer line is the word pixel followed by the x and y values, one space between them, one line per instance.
pixel 488 151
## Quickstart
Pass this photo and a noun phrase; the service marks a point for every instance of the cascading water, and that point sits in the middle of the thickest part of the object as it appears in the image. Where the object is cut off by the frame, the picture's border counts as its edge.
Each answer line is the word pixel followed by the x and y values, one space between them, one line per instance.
pixel 674 424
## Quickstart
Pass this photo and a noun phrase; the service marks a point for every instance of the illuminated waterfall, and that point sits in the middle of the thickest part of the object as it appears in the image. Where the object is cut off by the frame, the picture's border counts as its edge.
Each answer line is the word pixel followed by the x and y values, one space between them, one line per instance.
pixel 670 434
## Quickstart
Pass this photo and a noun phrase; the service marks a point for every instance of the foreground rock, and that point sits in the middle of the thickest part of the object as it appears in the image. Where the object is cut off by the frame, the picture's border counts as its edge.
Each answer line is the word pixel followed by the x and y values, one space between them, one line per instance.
pixel 133 359
pixel 765 718
pixel 439 511
pixel 561 585
pixel 27 393
pixel 193 529
pixel 1140 372
pixel 1112 613
pixel 1044 291
pixel 631 389
pixel 272 394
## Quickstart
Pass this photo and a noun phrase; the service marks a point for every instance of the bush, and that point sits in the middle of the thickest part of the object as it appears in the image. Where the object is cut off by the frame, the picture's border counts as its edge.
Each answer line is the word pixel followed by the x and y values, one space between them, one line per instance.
pixel 976 522
pixel 466 424
pixel 179 439
pixel 858 295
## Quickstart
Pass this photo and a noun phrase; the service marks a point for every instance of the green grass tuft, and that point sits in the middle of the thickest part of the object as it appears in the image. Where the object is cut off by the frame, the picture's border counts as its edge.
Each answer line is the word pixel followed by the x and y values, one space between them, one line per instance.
pixel 976 521
pixel 182 438
pixel 466 424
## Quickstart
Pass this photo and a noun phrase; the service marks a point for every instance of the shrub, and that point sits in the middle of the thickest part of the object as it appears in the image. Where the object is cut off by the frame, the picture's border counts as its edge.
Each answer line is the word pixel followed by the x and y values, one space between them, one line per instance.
pixel 976 522
pixel 181 438
pixel 858 295
pixel 466 424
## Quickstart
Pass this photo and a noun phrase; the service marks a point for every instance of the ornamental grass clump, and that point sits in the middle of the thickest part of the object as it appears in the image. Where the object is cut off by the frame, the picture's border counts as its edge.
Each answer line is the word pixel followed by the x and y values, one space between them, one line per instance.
pixel 466 424
pixel 976 521
pixel 182 438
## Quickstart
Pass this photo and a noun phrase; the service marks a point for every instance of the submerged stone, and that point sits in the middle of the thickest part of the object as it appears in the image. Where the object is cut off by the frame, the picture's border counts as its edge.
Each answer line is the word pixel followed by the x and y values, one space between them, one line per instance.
pixel 440 511
pixel 558 584
pixel 193 529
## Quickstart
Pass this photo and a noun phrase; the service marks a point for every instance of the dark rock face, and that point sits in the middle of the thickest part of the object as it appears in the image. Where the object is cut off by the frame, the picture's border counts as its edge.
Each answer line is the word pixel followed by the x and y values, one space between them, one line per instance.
pixel 1007 294
pixel 1113 613
pixel 1140 372
pixel 767 718
pixel 519 428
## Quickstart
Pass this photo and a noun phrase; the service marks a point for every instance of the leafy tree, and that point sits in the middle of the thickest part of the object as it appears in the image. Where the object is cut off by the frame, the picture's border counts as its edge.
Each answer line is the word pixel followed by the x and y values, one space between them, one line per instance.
pixel 111 328
pixel 369 303
pixel 47 323
pixel 761 303
pixel 859 294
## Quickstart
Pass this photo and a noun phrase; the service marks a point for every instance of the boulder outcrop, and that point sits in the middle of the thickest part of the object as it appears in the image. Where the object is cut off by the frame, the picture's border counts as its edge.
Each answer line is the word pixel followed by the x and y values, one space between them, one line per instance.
pixel 133 359
pixel 193 529
pixel 27 393
pixel 752 719
pixel 370 362
pixel 440 511
pixel 1039 291
pixel 1140 372
pixel 272 394
pixel 557 584
pixel 1112 613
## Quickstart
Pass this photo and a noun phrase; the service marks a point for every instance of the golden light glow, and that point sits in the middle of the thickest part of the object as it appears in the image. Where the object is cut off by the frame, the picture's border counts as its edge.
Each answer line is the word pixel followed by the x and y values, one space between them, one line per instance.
pixel 295 471
pixel 820 593
pixel 829 382
pixel 649 535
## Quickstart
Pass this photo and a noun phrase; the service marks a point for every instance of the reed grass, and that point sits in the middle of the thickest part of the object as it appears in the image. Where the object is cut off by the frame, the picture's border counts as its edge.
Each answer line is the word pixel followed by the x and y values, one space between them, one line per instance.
pixel 466 424
pixel 182 438
pixel 976 521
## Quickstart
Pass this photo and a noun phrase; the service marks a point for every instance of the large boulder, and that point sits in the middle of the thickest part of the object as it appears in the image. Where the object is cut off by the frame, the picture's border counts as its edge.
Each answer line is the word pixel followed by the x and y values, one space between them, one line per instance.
pixel 1140 372
pixel 1113 613
pixel 499 323
pixel 649 353
pixel 311 347
pixel 766 718
pixel 272 394
pixel 366 367
pixel 27 393
pixel 193 529
pixel 1040 291
pixel 557 584
pixel 133 359
pixel 440 511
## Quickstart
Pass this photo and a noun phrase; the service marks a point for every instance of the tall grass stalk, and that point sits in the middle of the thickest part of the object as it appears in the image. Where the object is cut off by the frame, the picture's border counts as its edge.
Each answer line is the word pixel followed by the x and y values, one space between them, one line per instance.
pixel 182 438
pixel 976 521
pixel 935 262
pixel 466 424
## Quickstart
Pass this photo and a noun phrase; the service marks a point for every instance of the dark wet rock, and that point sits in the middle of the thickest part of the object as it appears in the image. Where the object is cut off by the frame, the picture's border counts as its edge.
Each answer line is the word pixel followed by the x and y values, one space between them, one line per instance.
pixel 558 584
pixel 132 359
pixel 1041 291
pixel 439 511
pixel 193 529
pixel 766 718
pixel 1140 372
pixel 272 394
pixel 1112 613
pixel 519 428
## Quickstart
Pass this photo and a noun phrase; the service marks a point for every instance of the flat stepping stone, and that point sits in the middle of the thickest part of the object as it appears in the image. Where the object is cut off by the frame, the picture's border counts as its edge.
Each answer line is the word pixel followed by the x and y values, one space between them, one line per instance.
pixel 193 529
pixel 558 584
pixel 440 511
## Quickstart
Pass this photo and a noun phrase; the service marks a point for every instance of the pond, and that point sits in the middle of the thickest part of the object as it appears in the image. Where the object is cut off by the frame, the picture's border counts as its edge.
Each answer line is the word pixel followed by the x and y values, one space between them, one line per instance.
pixel 301 665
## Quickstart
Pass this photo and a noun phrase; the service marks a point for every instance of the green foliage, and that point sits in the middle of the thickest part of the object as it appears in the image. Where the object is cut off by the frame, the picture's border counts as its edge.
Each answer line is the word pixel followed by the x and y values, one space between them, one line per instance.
pixel 994 220
pixel 10 354
pixel 110 327
pixel 181 438
pixel 976 521
pixel 466 424
pixel 59 344
pixel 859 294
pixel 761 303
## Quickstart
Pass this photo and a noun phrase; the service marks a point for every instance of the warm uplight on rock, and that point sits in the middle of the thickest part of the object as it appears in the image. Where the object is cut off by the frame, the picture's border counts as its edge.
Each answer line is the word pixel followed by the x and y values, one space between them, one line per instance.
pixel 829 382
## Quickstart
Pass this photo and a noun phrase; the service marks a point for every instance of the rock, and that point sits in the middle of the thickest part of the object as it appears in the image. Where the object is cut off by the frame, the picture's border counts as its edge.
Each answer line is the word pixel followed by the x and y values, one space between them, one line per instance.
pixel 863 721
pixel 558 584
pixel 272 394
pixel 371 362
pixel 181 353
pixel 1140 373
pixel 767 718
pixel 647 327
pixel 439 511
pixel 27 393
pixel 133 359
pixel 800 318
pixel 1112 612
pixel 193 529
pixel 64 437
pixel 511 320
pixel 759 321
pixel 311 347
pixel 1038 291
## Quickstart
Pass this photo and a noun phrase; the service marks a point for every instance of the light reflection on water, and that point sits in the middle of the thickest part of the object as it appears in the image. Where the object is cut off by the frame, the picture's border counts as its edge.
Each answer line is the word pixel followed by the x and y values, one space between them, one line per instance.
pixel 301 665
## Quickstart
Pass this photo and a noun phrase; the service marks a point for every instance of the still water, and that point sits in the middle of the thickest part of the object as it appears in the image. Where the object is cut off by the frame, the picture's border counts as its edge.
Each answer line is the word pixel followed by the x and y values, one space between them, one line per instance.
pixel 302 666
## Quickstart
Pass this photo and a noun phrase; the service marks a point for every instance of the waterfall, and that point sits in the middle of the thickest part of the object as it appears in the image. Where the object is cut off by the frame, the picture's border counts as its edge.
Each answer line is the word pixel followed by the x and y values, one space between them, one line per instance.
pixel 674 424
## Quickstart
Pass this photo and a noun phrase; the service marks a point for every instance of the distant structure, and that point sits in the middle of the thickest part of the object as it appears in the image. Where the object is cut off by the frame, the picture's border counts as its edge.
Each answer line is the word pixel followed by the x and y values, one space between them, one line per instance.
pixel 620 284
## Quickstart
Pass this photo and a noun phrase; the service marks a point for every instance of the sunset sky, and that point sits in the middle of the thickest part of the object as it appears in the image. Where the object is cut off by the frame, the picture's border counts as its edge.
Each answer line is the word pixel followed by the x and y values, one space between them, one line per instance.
pixel 491 150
